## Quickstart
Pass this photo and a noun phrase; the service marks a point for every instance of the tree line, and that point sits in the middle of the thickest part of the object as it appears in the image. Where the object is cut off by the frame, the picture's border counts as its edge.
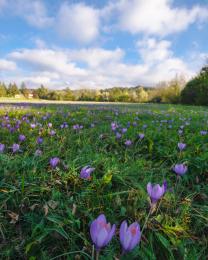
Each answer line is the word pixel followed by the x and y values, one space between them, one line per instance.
pixel 165 92
pixel 174 91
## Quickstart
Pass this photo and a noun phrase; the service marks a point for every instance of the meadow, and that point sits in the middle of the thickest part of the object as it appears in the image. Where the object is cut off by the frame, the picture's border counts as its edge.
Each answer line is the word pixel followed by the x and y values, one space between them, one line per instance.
pixel 48 201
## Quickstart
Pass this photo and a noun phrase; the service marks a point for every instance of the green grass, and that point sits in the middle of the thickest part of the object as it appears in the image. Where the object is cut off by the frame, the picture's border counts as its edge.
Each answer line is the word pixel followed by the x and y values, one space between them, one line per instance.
pixel 52 209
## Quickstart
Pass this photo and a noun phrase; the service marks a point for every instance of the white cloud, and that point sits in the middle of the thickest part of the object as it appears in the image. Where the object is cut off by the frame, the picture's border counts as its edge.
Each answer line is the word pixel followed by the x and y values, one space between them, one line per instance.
pixel 100 68
pixel 48 60
pixel 155 17
pixel 95 57
pixel 36 80
pixel 160 59
pixel 152 50
pixel 40 43
pixel 6 65
pixel 78 22
pixel 34 12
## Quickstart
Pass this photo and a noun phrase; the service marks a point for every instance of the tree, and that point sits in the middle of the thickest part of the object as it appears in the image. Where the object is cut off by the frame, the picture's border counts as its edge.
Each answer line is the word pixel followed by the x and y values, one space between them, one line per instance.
pixel 3 90
pixel 24 90
pixel 12 90
pixel 124 97
pixel 196 90
pixel 53 95
pixel 114 94
pixel 42 92
pixel 68 94
pixel 142 95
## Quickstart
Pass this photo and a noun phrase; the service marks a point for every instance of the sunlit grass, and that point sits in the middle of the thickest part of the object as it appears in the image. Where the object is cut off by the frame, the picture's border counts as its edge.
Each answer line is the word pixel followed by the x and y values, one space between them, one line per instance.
pixel 45 212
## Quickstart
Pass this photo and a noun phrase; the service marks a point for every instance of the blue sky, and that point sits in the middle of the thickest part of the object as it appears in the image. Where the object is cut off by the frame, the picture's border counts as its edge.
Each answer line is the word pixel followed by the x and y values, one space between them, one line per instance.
pixel 97 43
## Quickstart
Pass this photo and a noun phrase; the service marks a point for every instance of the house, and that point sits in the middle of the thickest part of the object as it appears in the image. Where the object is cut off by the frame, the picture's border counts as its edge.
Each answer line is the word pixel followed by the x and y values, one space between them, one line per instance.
pixel 18 96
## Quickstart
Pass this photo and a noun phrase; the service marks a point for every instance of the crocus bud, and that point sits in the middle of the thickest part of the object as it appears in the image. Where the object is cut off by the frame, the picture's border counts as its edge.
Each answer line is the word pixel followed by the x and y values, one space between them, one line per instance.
pixel 118 135
pixel 203 132
pixel 128 142
pixel 156 192
pixel 52 133
pixel 39 140
pixel 180 169
pixel 86 172
pixel 2 147
pixel 22 138
pixel 129 236
pixel 15 148
pixel 54 162
pixel 124 130
pixel 101 232
pixel 141 136
pixel 114 126
pixel 181 146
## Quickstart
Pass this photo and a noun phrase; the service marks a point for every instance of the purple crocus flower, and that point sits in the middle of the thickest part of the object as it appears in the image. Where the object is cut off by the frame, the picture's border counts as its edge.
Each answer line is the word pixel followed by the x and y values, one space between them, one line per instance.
pixel 32 126
pixel 124 130
pixel 203 132
pixel 52 133
pixel 101 232
pixel 39 140
pixel 2 147
pixel 128 142
pixel 12 129
pixel 180 169
pixel 129 236
pixel 118 135
pixel 15 148
pixel 114 126
pixel 50 125
pixel 156 191
pixel 141 136
pixel 65 125
pixel 128 124
pixel 54 162
pixel 86 172
pixel 77 127
pixel 181 146
pixel 22 138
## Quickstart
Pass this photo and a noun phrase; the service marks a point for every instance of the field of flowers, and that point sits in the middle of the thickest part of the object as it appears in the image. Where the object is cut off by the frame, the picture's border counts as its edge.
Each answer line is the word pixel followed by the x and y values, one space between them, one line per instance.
pixel 68 170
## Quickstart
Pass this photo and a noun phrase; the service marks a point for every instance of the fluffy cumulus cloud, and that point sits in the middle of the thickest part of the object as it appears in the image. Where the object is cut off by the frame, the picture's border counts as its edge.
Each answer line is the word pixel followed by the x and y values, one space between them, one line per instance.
pixel 97 67
pixel 160 59
pixel 78 22
pixel 96 57
pixel 47 60
pixel 6 65
pixel 156 17
pixel 152 50
pixel 102 56
pixel 33 12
